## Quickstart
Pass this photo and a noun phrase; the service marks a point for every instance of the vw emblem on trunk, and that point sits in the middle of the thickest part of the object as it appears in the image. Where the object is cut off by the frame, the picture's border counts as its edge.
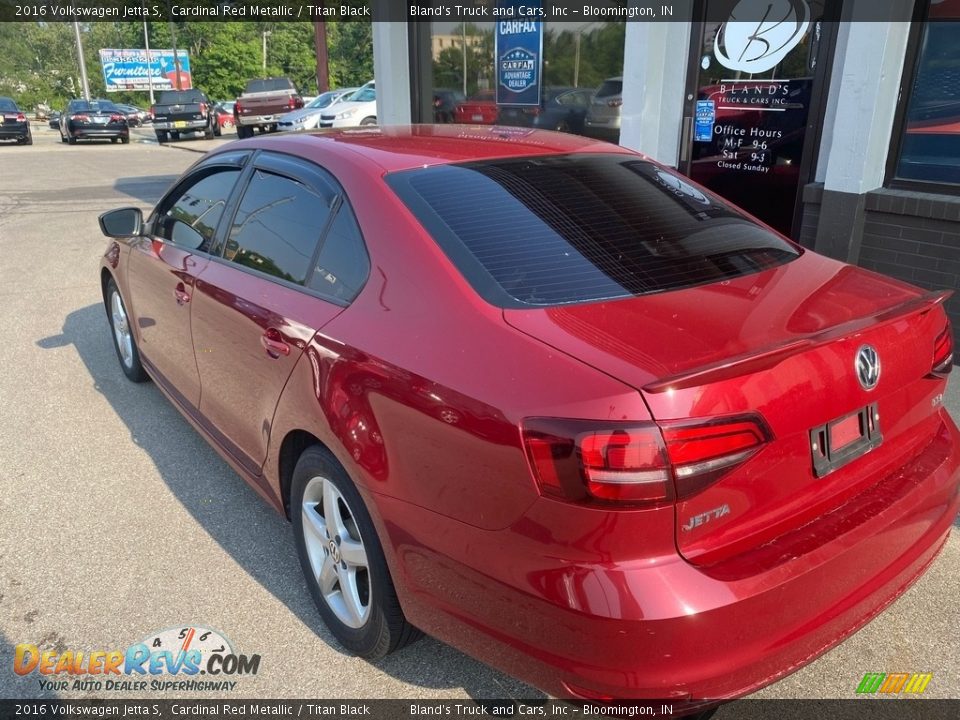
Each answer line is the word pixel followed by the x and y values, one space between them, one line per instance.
pixel 867 367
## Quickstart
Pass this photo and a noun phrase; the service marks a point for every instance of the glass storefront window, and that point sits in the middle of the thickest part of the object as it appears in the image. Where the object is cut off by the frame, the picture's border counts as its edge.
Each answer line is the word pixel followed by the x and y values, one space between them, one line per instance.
pixel 578 60
pixel 930 149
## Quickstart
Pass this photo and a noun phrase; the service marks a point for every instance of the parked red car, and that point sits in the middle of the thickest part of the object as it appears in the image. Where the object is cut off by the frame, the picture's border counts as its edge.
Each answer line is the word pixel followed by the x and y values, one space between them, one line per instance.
pixel 547 401
pixel 478 109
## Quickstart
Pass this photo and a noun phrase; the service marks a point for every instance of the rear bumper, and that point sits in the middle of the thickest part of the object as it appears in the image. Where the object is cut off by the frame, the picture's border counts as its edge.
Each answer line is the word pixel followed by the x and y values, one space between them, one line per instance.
pixel 187 125
pixel 82 133
pixel 660 627
pixel 255 120
pixel 14 132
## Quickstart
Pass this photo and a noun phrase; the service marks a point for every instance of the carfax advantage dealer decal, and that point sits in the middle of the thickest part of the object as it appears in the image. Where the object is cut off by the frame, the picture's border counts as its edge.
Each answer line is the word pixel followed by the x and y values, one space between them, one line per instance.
pixel 519 51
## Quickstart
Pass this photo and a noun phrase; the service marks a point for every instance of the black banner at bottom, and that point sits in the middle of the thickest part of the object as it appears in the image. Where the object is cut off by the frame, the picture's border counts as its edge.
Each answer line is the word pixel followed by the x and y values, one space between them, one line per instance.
pixel 859 709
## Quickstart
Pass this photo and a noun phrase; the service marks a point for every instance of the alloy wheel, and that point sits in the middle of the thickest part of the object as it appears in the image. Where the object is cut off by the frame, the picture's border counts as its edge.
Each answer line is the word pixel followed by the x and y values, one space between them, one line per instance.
pixel 121 330
pixel 337 554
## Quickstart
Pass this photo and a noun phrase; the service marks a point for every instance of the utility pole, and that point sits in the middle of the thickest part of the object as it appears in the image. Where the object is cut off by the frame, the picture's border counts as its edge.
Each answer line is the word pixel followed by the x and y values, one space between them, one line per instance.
pixel 83 65
pixel 146 44
pixel 266 34
pixel 176 57
pixel 463 26
pixel 323 62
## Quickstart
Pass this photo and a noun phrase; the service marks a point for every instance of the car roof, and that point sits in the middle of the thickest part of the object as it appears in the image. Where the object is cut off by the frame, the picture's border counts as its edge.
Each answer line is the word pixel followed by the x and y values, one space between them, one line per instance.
pixel 403 147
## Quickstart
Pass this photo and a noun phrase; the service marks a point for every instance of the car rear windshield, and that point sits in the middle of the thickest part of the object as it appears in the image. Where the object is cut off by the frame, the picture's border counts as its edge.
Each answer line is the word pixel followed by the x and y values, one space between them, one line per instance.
pixel 610 87
pixel 268 85
pixel 180 97
pixel 8 105
pixel 577 228
pixel 93 106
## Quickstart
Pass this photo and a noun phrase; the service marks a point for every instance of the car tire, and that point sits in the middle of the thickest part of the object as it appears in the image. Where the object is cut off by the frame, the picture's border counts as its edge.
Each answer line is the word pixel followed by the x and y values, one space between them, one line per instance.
pixel 174 136
pixel 368 121
pixel 328 515
pixel 216 130
pixel 124 343
pixel 71 140
pixel 162 136
pixel 28 140
pixel 244 132
pixel 208 133
pixel 563 126
pixel 114 140
pixel 124 139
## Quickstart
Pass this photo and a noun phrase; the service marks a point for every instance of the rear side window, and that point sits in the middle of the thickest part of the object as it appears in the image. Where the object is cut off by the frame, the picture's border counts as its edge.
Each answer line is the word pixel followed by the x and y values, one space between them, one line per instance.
pixel 577 228
pixel 343 265
pixel 8 105
pixel 278 225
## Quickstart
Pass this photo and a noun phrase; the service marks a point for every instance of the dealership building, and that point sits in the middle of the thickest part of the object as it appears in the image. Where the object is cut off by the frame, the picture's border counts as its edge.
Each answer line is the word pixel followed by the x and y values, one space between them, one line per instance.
pixel 839 124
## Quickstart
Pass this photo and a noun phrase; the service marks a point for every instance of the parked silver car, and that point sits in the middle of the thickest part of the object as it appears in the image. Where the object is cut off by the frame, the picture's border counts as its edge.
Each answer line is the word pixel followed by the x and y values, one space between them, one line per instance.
pixel 603 115
pixel 307 117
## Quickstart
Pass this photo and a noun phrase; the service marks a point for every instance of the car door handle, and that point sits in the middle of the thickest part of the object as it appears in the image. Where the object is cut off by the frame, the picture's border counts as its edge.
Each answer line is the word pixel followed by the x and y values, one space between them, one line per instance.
pixel 273 343
pixel 181 294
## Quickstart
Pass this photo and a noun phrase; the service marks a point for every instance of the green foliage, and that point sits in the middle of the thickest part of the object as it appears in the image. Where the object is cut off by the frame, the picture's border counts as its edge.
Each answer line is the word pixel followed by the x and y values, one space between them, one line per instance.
pixel 38 61
pixel 350 55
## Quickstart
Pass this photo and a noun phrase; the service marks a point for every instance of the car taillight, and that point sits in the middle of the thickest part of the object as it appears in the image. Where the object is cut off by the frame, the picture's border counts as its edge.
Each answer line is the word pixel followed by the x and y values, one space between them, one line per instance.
pixel 153 111
pixel 237 108
pixel 616 102
pixel 21 117
pixel 702 452
pixel 116 118
pixel 943 352
pixel 80 118
pixel 637 463
pixel 203 109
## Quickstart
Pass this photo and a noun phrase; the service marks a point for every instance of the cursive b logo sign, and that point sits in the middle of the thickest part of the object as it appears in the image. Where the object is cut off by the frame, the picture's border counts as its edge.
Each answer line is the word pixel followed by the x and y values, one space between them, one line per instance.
pixel 774 28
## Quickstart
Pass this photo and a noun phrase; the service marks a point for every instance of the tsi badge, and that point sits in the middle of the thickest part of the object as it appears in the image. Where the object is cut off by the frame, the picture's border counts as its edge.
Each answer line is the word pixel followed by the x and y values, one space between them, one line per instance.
pixel 704 518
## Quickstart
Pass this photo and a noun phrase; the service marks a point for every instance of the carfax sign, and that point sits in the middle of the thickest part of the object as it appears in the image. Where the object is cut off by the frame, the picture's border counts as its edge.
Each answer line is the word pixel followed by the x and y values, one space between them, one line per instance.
pixel 131 70
pixel 519 52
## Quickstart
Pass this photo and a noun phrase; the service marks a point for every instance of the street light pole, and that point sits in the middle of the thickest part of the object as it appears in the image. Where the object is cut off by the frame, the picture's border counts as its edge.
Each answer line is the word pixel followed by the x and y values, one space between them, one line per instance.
pixel 83 65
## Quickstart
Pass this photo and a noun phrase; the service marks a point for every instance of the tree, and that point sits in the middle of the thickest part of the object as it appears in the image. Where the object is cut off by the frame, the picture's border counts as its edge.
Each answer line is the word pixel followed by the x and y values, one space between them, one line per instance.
pixel 350 46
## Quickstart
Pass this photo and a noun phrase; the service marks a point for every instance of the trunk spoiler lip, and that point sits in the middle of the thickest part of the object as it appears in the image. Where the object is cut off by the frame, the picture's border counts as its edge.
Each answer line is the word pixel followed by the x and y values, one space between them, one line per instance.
pixel 769 357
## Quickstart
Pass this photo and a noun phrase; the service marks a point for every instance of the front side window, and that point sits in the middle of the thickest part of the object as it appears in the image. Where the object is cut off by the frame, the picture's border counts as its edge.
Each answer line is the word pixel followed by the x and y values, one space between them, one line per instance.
pixel 930 149
pixel 190 218
pixel 278 225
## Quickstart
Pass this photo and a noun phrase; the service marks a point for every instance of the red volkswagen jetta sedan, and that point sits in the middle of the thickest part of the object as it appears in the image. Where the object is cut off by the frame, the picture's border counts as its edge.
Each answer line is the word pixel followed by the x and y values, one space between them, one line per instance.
pixel 547 401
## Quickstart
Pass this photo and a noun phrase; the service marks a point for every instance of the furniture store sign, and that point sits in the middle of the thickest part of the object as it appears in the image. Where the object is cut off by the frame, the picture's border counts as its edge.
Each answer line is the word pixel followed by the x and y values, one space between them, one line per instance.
pixel 137 69
pixel 519 52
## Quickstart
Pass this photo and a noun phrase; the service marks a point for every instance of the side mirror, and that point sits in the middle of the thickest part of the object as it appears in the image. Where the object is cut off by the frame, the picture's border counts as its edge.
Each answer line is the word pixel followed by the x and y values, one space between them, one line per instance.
pixel 121 223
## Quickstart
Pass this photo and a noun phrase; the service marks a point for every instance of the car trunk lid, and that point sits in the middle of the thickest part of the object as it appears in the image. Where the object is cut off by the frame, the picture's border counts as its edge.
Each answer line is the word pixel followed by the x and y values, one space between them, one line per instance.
pixel 781 344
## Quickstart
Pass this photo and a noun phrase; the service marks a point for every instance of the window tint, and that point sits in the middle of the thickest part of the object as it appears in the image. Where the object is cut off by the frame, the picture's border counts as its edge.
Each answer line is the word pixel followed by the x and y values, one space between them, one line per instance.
pixel 268 84
pixel 180 97
pixel 575 228
pixel 92 106
pixel 343 265
pixel 368 93
pixel 191 219
pixel 277 226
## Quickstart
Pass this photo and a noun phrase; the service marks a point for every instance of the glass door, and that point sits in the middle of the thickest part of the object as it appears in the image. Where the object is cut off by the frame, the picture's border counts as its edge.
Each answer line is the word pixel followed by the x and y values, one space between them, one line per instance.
pixel 756 71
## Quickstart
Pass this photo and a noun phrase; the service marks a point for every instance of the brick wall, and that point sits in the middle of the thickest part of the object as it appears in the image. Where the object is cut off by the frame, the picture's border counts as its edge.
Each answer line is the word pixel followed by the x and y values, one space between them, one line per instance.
pixel 915 237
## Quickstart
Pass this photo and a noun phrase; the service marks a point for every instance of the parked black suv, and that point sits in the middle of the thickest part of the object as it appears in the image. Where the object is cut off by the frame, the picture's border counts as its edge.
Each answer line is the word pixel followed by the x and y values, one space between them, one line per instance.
pixel 13 123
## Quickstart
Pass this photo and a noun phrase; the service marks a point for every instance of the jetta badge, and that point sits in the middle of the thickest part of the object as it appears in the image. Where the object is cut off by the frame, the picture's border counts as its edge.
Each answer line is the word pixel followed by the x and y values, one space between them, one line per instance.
pixel 867 367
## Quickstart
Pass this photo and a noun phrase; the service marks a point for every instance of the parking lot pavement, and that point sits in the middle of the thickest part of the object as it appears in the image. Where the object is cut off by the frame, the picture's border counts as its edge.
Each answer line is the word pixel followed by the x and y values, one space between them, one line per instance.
pixel 119 521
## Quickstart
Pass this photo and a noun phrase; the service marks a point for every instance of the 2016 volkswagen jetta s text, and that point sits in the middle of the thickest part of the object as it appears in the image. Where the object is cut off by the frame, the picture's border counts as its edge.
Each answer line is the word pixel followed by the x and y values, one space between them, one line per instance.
pixel 547 401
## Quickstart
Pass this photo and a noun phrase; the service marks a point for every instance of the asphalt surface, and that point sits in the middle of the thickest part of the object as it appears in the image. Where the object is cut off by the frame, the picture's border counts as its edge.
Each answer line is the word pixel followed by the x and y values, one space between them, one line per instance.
pixel 117 520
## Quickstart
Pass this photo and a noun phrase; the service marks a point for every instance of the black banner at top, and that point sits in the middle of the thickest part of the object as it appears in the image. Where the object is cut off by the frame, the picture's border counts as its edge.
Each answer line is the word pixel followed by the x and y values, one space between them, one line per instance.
pixel 476 11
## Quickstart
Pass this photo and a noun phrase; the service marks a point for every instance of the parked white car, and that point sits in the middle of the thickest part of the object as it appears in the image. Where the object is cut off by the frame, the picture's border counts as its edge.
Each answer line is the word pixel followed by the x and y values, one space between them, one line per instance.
pixel 308 117
pixel 357 109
